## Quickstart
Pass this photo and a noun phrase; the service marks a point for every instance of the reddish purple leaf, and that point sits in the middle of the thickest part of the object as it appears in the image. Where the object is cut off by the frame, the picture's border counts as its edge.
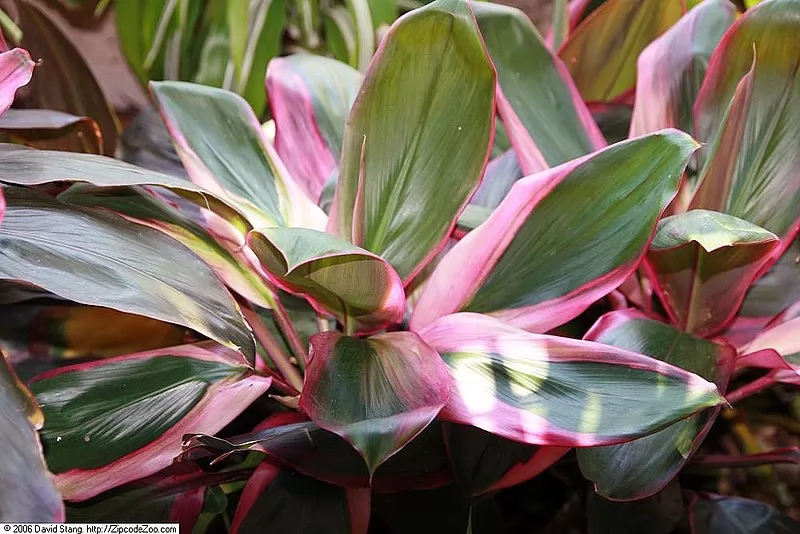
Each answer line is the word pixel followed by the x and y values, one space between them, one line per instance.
pixel 377 393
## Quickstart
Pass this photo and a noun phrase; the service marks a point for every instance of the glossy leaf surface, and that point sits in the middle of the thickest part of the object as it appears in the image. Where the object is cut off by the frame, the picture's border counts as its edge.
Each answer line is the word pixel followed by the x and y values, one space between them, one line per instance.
pixel 418 137
pixel 702 263
pixel 601 53
pixel 310 98
pixel 16 69
pixel 735 515
pixel 537 389
pixel 224 149
pixel 378 393
pixel 100 259
pixel 48 129
pixel 29 494
pixel 642 467
pixel 671 69
pixel 537 86
pixel 113 421
pixel 748 107
pixel 595 215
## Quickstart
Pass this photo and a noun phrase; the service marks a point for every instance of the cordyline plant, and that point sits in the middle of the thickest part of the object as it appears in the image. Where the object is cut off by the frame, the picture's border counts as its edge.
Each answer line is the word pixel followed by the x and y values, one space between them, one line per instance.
pixel 428 279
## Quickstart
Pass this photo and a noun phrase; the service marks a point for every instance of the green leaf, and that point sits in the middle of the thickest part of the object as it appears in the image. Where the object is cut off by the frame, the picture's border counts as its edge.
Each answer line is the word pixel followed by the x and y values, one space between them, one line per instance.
pixel 537 86
pixel 42 128
pixel 334 275
pixel 64 82
pixel 643 467
pixel 377 393
pixel 601 53
pixel 419 133
pixel 702 263
pixel 778 289
pixel 29 495
pixel 716 514
pixel 747 111
pixel 103 419
pixel 224 149
pixel 97 258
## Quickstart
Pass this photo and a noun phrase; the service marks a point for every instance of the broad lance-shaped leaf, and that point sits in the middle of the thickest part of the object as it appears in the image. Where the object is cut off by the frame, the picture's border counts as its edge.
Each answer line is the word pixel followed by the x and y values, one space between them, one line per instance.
pixel 97 258
pixel 602 52
pixel 16 69
pixel 717 514
pixel 702 263
pixel 112 421
pixel 561 239
pixel 218 244
pixel 548 390
pixel 642 467
pixel 225 150
pixel 752 170
pixel 420 133
pixel 334 275
pixel 310 97
pixel 776 291
pixel 777 348
pixel 377 393
pixel 20 165
pixel 29 494
pixel 44 128
pixel 538 89
pixel 670 71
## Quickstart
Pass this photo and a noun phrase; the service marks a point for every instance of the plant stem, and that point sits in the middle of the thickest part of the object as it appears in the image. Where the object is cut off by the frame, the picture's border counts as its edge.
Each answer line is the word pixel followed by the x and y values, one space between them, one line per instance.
pixel 756 386
pixel 273 348
pixel 289 331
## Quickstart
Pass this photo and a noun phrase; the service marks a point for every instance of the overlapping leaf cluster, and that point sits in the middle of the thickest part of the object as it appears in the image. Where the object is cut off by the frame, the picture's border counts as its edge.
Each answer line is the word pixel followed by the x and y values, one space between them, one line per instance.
pixel 379 297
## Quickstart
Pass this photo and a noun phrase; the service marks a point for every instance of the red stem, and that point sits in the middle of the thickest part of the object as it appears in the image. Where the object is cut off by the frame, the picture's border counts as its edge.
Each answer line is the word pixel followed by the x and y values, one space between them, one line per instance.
pixel 756 386
pixel 273 348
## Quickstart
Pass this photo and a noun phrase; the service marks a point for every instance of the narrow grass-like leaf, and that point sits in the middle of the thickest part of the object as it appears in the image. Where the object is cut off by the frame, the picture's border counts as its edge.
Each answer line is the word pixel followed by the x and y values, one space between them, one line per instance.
pixel 562 238
pixel 112 421
pixel 377 393
pixel 601 53
pixel 643 467
pixel 702 263
pixel 548 390
pixel 310 97
pixel 424 118
pixel 96 258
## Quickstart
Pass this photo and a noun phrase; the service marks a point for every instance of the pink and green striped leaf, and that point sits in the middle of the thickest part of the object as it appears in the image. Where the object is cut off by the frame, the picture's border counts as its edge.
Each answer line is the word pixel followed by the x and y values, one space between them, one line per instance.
pixel 112 421
pixel 547 390
pixel 777 348
pixel 377 393
pixel 642 467
pixel 20 165
pixel 702 263
pixel 747 112
pixel 29 495
pixel 778 290
pixel 670 71
pixel 602 52
pixel 98 258
pixel 217 243
pixel 418 137
pixel 717 514
pixel 16 69
pixel 529 75
pixel 310 98
pixel 281 501
pixel 225 150
pixel 561 239
pixel 334 275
